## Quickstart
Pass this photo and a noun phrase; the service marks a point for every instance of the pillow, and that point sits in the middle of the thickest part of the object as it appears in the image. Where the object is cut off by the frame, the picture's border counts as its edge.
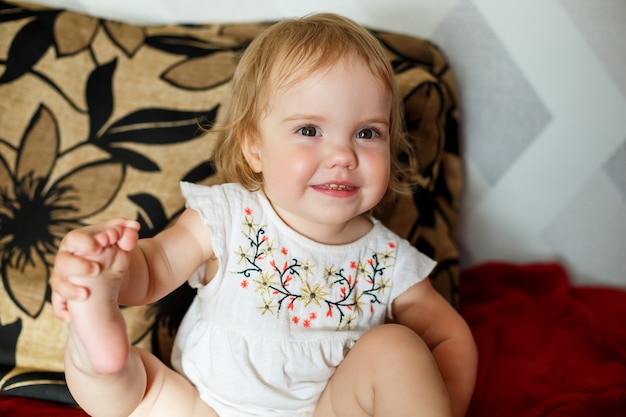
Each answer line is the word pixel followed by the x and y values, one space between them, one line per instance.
pixel 101 119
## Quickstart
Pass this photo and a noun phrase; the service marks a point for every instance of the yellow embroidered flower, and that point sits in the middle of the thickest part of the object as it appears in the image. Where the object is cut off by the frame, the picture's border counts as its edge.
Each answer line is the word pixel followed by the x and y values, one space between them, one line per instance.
pixel 265 283
pixel 268 307
pixel 330 272
pixel 249 224
pixel 270 249
pixel 242 254
pixel 307 269
pixel 386 256
pixel 361 269
pixel 314 294
pixel 383 285
pixel 358 305
pixel 347 322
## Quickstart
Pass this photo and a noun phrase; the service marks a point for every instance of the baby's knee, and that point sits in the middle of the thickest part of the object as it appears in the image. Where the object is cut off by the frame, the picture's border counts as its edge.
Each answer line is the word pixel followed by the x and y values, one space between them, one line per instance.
pixel 387 335
pixel 394 342
pixel 393 362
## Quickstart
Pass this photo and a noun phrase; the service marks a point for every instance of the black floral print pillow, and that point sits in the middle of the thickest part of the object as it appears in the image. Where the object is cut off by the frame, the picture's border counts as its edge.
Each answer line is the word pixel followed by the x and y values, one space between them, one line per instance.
pixel 100 119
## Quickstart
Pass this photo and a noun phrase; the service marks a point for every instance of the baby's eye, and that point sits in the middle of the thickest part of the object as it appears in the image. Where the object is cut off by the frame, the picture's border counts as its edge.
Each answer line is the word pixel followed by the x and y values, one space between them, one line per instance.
pixel 309 131
pixel 367 134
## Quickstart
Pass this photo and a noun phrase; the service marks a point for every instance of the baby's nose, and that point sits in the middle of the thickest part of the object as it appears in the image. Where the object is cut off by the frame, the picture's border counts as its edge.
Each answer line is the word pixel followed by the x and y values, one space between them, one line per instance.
pixel 342 155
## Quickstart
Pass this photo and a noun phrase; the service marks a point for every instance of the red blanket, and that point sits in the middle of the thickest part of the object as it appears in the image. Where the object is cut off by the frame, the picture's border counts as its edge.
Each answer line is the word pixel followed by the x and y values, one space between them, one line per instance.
pixel 26 407
pixel 546 348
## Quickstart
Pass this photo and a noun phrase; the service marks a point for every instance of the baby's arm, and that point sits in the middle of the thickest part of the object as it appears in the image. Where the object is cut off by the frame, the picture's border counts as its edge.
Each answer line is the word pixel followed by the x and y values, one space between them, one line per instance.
pixel 93 266
pixel 447 335
pixel 101 266
pixel 161 264
pixel 155 266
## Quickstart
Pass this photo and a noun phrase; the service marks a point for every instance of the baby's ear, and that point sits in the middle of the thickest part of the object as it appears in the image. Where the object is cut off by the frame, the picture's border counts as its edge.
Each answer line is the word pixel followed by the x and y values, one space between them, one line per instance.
pixel 252 151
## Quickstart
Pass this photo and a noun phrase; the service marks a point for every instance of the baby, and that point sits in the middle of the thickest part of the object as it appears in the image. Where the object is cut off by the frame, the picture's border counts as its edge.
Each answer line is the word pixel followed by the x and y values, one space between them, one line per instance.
pixel 295 279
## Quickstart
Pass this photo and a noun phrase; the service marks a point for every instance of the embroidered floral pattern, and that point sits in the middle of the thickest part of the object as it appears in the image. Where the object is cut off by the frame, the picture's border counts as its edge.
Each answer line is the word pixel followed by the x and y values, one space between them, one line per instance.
pixel 290 285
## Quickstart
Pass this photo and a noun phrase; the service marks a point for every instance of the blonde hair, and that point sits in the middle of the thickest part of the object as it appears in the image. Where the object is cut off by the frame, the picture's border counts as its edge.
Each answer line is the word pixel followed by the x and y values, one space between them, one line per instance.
pixel 291 50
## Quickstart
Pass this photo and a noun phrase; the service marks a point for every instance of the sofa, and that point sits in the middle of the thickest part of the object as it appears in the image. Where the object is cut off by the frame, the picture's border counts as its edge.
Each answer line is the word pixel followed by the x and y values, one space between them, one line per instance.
pixel 101 118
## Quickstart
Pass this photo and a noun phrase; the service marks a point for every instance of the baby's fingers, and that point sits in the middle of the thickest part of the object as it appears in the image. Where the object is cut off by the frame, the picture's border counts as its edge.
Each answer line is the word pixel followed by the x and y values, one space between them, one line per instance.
pixel 68 264
pixel 81 242
pixel 59 306
pixel 68 291
pixel 63 290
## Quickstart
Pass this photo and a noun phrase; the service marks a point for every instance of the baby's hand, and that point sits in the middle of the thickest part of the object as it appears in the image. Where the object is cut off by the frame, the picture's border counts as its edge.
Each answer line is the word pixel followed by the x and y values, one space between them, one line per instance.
pixel 90 252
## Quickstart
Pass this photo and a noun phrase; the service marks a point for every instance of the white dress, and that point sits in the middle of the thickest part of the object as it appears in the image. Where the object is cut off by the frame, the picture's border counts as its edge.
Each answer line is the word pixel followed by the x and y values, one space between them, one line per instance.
pixel 267 332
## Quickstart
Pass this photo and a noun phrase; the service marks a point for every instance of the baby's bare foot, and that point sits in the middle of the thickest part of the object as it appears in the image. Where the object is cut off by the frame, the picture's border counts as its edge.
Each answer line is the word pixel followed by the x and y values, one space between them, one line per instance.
pixel 98 340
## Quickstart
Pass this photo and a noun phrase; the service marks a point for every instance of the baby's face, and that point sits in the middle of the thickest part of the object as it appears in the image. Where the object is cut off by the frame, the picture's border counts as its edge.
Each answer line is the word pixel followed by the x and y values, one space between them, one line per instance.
pixel 323 148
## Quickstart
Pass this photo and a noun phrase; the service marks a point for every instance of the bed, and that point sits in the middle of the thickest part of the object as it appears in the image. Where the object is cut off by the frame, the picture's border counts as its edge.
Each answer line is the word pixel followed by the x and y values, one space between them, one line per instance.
pixel 96 114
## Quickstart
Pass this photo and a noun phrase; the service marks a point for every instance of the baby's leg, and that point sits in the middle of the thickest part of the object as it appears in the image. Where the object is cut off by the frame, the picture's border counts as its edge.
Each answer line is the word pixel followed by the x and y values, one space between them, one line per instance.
pixel 169 393
pixel 389 372
pixel 161 392
pixel 107 376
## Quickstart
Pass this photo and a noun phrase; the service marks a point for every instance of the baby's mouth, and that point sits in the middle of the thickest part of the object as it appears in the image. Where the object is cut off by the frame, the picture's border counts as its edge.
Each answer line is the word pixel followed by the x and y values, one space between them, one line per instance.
pixel 336 187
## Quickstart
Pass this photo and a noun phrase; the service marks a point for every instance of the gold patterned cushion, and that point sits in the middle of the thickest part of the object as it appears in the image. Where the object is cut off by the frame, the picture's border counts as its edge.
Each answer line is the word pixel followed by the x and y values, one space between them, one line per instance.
pixel 99 119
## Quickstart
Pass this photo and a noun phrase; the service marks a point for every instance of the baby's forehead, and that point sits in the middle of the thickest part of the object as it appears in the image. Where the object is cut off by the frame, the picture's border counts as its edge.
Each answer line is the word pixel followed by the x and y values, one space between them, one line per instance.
pixel 307 92
pixel 287 74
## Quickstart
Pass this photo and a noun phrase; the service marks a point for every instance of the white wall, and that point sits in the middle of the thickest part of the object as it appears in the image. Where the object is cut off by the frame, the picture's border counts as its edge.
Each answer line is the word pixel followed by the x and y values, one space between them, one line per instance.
pixel 543 92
